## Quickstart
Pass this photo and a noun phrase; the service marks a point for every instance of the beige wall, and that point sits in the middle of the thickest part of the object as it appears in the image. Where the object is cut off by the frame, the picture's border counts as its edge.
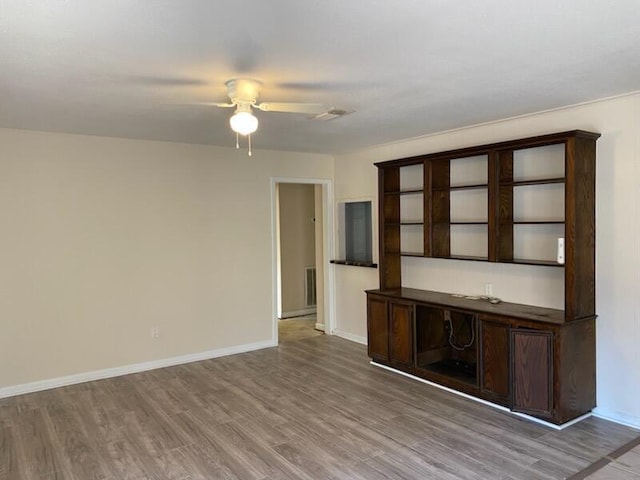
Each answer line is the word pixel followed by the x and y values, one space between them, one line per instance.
pixel 617 242
pixel 297 243
pixel 355 179
pixel 104 238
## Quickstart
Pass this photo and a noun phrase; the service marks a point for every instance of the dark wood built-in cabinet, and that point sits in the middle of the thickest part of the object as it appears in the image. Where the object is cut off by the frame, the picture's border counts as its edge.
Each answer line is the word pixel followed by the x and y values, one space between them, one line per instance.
pixel 401 333
pixel 532 367
pixel 378 328
pixel 494 360
pixel 509 202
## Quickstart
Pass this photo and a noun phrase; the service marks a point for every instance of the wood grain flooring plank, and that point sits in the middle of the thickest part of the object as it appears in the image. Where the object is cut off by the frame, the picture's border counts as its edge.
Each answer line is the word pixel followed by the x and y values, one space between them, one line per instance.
pixel 403 430
pixel 202 465
pixel 500 456
pixel 11 467
pixel 193 378
pixel 237 450
pixel 598 427
pixel 322 438
pixel 33 401
pixel 127 464
pixel 295 398
pixel 232 404
pixel 79 455
pixel 315 465
pixel 213 440
pixel 174 397
pixel 262 429
pixel 630 460
pixel 162 431
pixel 551 458
pixel 427 409
pixel 251 403
pixel 271 387
pixel 272 466
pixel 99 417
pixel 361 471
pixel 9 411
pixel 548 469
pixel 445 404
pixel 579 443
pixel 613 472
pixel 157 461
pixel 448 432
pixel 55 476
pixel 36 440
pixel 404 464
pixel 367 442
pixel 132 461
pixel 218 412
pixel 465 464
pixel 131 398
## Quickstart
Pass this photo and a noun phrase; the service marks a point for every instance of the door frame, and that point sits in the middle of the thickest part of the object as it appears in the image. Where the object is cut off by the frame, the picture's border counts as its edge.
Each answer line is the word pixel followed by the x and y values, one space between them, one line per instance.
pixel 328 279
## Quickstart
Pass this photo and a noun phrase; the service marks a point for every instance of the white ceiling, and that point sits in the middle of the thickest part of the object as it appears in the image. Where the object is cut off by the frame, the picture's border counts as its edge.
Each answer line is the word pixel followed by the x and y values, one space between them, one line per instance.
pixel 407 67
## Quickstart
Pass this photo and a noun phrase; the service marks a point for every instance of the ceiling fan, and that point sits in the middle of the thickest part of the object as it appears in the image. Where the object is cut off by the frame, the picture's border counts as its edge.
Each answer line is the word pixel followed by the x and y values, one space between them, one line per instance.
pixel 243 94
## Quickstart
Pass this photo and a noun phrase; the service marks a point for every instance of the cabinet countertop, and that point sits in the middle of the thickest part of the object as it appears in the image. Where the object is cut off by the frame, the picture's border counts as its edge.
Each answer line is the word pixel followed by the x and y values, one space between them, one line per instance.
pixel 505 309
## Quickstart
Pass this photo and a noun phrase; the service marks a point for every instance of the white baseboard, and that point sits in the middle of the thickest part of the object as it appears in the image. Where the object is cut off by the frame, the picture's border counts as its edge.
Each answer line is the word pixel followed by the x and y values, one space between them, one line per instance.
pixel 617 417
pixel 350 336
pixel 128 369
pixel 298 313
pixel 319 326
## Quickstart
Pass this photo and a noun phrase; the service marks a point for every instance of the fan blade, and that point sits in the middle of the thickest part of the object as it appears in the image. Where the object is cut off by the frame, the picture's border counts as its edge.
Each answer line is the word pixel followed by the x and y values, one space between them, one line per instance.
pixel 214 104
pixel 291 107
pixel 161 81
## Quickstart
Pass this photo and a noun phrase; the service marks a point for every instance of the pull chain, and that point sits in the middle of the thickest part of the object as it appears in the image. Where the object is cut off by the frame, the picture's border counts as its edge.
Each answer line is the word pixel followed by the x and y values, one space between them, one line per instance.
pixel 238 143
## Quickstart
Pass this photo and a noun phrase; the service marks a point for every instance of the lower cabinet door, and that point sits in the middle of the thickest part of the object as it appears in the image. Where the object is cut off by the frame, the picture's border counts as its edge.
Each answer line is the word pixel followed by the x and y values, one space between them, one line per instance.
pixel 401 333
pixel 532 370
pixel 494 361
pixel 377 328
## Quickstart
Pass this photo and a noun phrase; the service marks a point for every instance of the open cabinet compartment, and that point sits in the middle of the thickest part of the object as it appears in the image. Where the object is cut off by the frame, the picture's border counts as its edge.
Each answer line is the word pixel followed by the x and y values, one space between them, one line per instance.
pixel 446 343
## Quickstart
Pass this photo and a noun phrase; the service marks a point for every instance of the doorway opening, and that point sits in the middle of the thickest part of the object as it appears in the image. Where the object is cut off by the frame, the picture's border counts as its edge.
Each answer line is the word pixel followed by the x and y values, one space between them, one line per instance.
pixel 302 217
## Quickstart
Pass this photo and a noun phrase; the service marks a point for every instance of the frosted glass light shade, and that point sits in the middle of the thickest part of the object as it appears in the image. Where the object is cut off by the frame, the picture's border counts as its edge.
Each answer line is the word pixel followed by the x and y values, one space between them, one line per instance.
pixel 243 123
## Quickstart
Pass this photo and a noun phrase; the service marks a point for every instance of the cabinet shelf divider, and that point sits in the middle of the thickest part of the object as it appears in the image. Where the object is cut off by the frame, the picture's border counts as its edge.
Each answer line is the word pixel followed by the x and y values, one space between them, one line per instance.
pixel 474 186
pixel 541 181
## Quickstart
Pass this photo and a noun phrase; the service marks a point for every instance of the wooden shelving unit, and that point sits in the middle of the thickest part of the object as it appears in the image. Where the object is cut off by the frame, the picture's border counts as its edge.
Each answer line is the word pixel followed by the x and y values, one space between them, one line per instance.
pixel 506 202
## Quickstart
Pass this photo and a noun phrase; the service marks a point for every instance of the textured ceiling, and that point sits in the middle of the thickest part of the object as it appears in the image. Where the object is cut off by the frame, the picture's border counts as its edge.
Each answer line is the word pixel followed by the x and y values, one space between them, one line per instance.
pixel 125 68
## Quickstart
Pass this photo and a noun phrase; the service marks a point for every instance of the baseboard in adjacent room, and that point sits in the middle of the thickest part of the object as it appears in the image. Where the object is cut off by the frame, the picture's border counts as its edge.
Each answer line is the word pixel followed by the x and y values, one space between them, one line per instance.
pixel 298 313
pixel 38 386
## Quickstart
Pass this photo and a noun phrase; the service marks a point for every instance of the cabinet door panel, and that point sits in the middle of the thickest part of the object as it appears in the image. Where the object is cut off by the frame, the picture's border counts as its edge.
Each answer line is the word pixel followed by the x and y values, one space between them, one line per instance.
pixel 532 371
pixel 401 330
pixel 377 329
pixel 495 360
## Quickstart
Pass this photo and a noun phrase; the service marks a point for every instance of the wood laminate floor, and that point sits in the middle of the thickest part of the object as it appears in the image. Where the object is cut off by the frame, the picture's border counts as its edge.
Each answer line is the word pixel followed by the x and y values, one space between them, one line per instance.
pixel 311 409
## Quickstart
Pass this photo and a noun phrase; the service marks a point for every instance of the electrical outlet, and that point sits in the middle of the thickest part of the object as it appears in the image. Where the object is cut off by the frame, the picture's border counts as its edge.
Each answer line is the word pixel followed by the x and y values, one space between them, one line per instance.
pixel 155 332
pixel 488 289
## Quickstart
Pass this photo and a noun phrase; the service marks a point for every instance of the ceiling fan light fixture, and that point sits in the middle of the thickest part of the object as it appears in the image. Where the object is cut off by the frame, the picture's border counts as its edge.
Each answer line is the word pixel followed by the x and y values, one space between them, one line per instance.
pixel 243 122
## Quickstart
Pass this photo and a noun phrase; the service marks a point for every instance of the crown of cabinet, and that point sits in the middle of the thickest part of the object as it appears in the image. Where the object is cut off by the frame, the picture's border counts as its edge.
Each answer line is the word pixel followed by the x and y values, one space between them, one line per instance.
pixel 540 140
